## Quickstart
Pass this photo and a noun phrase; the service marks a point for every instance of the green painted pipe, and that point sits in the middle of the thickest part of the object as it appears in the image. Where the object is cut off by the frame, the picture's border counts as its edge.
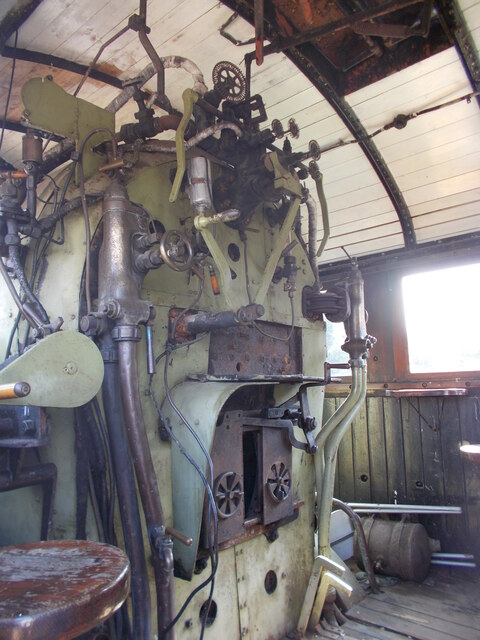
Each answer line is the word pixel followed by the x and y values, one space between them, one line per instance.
pixel 326 477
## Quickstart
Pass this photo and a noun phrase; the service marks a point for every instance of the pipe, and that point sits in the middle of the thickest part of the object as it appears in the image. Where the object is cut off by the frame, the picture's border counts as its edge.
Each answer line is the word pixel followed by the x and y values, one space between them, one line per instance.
pixel 147 481
pixel 312 238
pixel 169 62
pixel 209 131
pixel 318 177
pixel 373 507
pixel 31 319
pixel 350 408
pixel 127 497
pixel 14 255
pixel 362 541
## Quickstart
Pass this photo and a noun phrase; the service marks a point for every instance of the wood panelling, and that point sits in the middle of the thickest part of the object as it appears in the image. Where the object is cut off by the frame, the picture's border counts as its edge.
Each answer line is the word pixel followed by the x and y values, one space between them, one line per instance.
pixel 407 450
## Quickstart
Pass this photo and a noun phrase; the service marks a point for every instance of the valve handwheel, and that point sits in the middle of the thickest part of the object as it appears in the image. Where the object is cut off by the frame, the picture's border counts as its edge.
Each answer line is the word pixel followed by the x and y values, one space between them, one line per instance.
pixel 176 250
pixel 229 81
pixel 228 492
pixel 279 481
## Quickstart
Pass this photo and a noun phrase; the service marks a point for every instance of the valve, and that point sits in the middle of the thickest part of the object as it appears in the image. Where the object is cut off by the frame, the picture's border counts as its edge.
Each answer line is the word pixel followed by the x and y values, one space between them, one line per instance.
pixel 176 251
pixel 278 130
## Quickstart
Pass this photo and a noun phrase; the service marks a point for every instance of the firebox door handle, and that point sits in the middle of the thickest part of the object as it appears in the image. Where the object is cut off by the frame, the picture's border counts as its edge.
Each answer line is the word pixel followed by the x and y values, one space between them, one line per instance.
pixel 278 424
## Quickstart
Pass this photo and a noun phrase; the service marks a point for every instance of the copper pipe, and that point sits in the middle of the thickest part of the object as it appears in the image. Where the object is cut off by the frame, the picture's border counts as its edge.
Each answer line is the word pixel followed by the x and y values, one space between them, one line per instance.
pixel 13 175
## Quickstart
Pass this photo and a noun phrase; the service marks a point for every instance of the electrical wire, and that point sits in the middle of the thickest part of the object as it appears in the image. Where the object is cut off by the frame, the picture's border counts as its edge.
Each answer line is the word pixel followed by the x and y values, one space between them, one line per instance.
pixel 106 443
pixel 211 499
pixel 290 333
pixel 9 93
pixel 212 510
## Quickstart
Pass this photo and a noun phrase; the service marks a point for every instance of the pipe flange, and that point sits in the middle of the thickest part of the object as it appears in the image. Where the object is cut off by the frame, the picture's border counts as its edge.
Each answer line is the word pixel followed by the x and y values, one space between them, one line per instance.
pixel 127 333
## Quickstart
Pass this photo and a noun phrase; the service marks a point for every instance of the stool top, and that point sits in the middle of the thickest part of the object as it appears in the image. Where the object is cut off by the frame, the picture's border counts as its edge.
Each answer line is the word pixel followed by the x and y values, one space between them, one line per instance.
pixel 59 589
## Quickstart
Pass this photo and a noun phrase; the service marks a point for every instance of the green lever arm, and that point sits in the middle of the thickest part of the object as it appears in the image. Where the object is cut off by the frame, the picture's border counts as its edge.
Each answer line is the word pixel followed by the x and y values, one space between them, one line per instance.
pixel 189 98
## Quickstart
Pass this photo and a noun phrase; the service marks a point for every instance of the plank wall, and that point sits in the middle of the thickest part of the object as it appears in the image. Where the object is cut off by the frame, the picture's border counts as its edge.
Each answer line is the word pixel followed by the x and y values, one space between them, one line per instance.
pixel 408 450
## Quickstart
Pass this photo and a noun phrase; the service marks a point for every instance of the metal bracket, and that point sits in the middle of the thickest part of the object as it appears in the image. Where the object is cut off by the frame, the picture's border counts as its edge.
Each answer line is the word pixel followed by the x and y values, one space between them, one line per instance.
pixel 50 107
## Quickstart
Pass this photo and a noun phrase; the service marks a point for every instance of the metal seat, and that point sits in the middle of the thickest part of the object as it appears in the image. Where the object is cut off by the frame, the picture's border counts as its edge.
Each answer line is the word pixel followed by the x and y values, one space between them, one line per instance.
pixel 59 589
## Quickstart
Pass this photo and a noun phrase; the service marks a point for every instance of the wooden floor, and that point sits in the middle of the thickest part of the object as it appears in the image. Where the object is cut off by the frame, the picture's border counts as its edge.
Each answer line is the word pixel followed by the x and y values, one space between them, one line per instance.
pixel 444 607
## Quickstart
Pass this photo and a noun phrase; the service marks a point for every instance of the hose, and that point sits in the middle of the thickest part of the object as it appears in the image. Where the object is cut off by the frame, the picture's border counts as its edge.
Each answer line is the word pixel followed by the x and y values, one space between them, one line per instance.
pixel 362 541
pixel 146 479
pixel 127 498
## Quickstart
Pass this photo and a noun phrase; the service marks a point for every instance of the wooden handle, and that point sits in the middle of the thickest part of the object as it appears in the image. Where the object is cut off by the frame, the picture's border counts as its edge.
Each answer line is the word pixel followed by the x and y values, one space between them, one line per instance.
pixel 14 390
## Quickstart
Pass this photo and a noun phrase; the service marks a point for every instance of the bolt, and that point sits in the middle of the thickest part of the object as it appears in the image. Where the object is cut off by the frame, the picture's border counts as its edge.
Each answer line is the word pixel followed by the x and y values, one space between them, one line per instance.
pixel 70 368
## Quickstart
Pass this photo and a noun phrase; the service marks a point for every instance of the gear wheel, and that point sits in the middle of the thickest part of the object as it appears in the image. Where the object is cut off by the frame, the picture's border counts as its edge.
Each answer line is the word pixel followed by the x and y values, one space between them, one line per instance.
pixel 229 81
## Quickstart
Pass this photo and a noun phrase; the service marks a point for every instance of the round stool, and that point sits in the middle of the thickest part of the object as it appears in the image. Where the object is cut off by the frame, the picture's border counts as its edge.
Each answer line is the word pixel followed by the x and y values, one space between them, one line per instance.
pixel 59 589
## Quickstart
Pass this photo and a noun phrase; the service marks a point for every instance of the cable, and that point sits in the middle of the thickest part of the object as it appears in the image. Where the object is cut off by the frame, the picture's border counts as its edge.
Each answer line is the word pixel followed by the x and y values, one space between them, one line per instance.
pixel 83 197
pixel 211 500
pixel 171 335
pixel 212 510
pixel 292 327
pixel 9 93
pixel 103 429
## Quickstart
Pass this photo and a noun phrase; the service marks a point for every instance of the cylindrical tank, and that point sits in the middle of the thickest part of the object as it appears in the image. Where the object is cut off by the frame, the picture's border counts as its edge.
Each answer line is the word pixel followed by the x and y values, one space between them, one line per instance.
pixel 400 549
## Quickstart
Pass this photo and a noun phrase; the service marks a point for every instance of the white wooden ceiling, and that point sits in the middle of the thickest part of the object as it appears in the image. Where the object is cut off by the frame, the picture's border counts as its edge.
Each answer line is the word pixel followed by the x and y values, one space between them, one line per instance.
pixel 435 158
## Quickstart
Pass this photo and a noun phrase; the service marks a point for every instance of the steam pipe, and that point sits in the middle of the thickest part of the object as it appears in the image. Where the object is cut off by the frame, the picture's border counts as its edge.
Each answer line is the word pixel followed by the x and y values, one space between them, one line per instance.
pixel 312 237
pixel 120 304
pixel 32 321
pixel 127 498
pixel 168 62
pixel 354 402
pixel 318 177
pixel 147 483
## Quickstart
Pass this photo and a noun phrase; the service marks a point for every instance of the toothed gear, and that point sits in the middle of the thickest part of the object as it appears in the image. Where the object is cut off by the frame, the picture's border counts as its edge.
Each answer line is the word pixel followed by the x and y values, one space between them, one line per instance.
pixel 229 81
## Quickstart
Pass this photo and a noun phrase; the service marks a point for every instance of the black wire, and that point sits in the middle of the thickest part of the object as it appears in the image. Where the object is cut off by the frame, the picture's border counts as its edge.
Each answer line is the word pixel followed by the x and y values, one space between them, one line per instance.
pixel 103 429
pixel 212 509
pixel 14 60
pixel 211 499
pixel 292 327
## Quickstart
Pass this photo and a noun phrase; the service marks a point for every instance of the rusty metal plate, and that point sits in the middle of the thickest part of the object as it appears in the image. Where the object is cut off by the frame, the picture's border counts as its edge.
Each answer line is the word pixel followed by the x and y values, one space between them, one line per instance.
pixel 243 351
pixel 276 475
pixel 228 489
